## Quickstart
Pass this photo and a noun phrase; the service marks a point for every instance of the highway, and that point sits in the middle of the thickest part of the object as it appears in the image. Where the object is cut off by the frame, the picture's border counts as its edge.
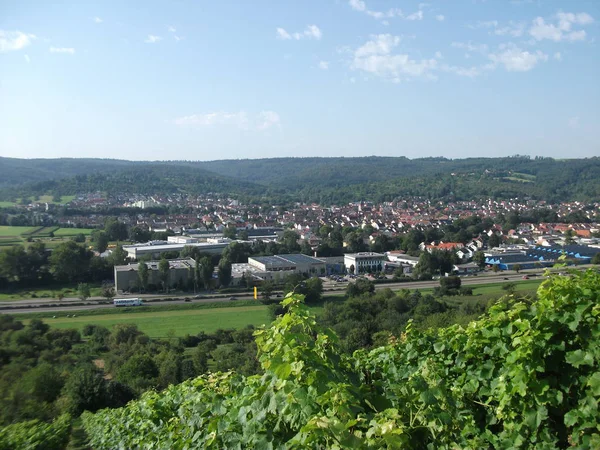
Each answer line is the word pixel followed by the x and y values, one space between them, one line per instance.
pixel 330 288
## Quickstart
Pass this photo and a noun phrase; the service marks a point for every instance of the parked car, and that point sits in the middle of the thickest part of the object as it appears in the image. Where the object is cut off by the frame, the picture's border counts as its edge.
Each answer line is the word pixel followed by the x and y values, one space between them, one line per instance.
pixel 525 277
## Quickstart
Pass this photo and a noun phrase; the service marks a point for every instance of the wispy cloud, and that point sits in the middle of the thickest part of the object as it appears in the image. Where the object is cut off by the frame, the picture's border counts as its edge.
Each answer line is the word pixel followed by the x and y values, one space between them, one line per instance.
pixel 27 59
pixel 323 65
pixel 361 6
pixel 152 39
pixel 415 16
pixel 260 121
pixel 173 30
pixel 512 28
pixel 311 32
pixel 377 57
pixel 98 19
pixel 14 40
pixel 67 50
pixel 440 18
pixel 267 119
pixel 470 47
pixel 514 59
pixel 561 29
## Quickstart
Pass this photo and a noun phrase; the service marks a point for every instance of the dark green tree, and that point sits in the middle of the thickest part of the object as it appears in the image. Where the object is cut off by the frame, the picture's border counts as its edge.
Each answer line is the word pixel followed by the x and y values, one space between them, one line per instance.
pixel 163 273
pixel 224 272
pixel 143 276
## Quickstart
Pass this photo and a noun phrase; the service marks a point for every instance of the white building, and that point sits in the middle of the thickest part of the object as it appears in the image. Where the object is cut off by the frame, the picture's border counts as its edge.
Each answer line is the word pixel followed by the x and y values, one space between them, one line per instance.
pixel 364 262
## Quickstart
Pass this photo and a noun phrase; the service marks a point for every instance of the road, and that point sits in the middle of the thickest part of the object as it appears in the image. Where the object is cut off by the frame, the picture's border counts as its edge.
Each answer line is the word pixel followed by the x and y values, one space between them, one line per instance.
pixel 329 289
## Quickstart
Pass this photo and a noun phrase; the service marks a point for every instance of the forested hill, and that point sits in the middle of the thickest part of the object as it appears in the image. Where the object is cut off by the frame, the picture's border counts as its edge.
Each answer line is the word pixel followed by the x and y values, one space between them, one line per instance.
pixel 138 178
pixel 300 172
pixel 324 180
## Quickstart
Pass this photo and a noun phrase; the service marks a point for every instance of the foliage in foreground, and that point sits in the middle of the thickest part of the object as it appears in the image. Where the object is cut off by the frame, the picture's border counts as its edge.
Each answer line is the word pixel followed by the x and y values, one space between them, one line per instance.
pixel 36 435
pixel 525 375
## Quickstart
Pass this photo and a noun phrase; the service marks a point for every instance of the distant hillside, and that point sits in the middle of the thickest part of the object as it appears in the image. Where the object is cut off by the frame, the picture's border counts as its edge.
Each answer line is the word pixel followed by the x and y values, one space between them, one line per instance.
pixel 137 178
pixel 20 171
pixel 324 180
pixel 299 172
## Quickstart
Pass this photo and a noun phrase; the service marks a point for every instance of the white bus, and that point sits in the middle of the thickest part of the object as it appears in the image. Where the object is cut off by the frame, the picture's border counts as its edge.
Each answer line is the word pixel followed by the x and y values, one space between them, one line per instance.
pixel 127 302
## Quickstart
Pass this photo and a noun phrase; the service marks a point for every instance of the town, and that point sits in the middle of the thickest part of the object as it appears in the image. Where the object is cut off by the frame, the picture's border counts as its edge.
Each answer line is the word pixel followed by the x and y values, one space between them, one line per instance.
pixel 313 240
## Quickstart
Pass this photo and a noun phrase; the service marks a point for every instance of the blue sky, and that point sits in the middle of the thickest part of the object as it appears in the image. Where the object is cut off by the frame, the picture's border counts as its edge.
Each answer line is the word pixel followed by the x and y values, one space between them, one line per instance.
pixel 204 80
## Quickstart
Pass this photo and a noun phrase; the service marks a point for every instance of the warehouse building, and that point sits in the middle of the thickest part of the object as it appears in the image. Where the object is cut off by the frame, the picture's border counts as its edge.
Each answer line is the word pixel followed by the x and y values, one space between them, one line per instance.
pixel 155 250
pixel 181 272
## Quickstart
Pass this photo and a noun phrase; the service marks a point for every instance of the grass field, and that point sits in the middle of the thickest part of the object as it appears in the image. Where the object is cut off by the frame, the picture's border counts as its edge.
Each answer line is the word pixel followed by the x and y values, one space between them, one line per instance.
pixel 15 231
pixel 43 199
pixel 73 231
pixel 10 236
pixel 176 323
pixel 46 292
pixel 179 320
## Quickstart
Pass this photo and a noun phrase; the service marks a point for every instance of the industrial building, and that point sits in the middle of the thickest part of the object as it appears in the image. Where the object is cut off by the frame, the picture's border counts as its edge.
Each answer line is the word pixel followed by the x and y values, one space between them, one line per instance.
pixel 180 273
pixel 364 262
pixel 155 250
pixel 296 263
pixel 277 268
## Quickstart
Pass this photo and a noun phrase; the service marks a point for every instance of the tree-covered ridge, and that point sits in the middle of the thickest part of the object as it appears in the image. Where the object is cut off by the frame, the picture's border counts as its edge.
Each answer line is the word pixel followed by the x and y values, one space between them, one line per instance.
pixel 524 375
pixel 145 179
pixel 323 180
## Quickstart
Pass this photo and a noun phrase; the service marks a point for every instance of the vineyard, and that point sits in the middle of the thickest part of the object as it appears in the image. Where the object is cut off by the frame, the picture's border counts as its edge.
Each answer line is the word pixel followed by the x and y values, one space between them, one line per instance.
pixel 523 376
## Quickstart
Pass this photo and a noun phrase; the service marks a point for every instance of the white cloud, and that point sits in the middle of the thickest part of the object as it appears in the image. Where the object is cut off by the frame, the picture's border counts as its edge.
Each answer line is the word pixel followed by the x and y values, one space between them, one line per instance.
pixel 98 19
pixel 361 6
pixel 68 50
pixel 470 72
pixel 14 40
pixel 242 120
pixel 267 119
pixel 358 5
pixel 558 56
pixel 469 46
pixel 282 34
pixel 27 59
pixel 484 24
pixel 438 55
pixel 324 65
pixel 562 28
pixel 152 39
pixel 440 18
pixel 376 57
pixel 311 32
pixel 516 60
pixel 514 29
pixel 171 29
pixel 415 16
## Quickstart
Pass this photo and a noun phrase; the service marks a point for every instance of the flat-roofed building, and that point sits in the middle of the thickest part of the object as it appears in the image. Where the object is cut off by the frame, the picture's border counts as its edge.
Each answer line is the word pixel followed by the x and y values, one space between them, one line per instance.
pixel 139 250
pixel 294 263
pixel 364 262
pixel 180 273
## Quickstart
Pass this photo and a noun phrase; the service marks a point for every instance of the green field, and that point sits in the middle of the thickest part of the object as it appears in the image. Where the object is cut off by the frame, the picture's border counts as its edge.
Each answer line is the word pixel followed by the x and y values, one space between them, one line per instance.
pixel 10 236
pixel 15 231
pixel 43 199
pixel 46 292
pixel 73 231
pixel 176 323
